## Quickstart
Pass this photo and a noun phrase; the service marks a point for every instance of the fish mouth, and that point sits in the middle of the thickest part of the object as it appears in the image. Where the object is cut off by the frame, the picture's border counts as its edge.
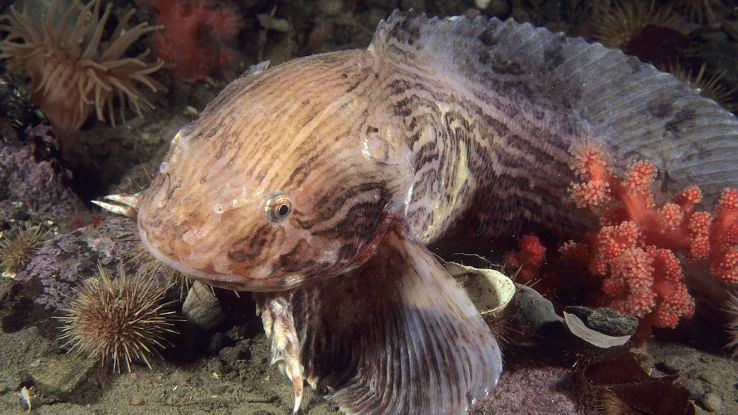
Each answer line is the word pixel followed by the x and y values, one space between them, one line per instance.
pixel 228 281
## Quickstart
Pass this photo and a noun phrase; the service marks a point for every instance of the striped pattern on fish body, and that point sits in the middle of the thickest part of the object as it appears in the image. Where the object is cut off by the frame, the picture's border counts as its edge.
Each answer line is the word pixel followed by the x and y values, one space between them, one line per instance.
pixel 319 182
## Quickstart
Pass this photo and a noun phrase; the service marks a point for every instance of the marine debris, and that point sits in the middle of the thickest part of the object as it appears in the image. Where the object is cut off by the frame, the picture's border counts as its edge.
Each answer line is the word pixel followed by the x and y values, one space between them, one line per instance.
pixel 118 320
pixel 73 70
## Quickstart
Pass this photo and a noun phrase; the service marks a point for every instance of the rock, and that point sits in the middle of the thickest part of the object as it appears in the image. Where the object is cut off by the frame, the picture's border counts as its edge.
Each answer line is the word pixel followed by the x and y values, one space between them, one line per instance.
pixel 537 311
pixel 714 36
pixel 605 320
pixel 14 381
pixel 196 382
pixel 381 4
pixel 712 378
pixel 673 364
pixel 498 8
pixel 5 286
pixel 201 307
pixel 268 22
pixel 33 175
pixel 712 402
pixel 320 35
pixel 231 355
pixel 64 376
pixel 412 4
pixel 695 387
pixel 216 342
pixel 330 7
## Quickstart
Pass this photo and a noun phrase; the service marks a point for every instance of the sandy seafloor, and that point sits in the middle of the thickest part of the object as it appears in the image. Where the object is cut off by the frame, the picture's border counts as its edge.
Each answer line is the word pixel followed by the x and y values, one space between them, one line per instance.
pixel 226 370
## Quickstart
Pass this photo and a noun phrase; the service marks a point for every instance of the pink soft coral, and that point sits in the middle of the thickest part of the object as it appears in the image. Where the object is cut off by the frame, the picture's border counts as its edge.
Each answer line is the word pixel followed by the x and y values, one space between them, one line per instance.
pixel 527 259
pixel 194 36
pixel 635 251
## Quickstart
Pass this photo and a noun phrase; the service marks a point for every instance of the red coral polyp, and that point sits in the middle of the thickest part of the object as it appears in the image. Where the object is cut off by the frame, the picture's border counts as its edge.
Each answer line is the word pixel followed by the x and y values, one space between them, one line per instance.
pixel 194 38
pixel 527 260
pixel 635 251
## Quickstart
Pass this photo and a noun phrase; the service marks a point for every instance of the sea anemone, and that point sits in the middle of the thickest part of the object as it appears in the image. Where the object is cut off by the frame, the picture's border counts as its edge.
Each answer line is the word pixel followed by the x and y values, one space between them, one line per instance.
pixel 73 71
pixel 118 320
pixel 17 247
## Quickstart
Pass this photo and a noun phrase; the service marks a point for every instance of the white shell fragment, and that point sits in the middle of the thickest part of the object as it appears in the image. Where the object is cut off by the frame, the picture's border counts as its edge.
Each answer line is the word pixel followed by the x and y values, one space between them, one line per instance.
pixel 201 307
pixel 126 205
pixel 489 289
pixel 593 337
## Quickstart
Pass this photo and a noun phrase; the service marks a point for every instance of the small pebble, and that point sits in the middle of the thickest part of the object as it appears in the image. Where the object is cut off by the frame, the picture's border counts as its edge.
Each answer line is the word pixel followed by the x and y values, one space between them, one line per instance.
pixel 712 402
pixel 713 378
pixel 219 389
pixel 216 342
pixel 137 401
pixel 196 382
pixel 695 387
pixel 178 393
pixel 498 8
pixel 672 363
pixel 12 383
pixel 330 7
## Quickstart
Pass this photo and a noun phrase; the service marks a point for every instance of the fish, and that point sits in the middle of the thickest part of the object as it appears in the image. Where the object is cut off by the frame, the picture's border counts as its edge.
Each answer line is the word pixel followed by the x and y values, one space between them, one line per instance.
pixel 320 183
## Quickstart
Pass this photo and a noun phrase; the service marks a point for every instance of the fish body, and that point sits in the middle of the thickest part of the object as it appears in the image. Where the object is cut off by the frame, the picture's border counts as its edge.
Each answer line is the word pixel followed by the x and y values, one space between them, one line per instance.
pixel 318 184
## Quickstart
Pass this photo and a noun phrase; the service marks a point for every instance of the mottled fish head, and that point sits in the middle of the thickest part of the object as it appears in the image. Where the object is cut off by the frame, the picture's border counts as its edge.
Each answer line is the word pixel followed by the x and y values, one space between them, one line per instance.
pixel 283 179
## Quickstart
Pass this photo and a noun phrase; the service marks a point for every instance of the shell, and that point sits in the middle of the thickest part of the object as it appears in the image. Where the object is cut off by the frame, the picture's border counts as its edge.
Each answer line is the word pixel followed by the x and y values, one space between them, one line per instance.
pixel 201 307
pixel 489 289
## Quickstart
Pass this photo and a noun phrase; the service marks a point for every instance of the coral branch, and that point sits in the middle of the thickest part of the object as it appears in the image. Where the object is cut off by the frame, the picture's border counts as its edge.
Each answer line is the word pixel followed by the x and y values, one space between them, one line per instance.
pixel 527 259
pixel 635 251
pixel 194 36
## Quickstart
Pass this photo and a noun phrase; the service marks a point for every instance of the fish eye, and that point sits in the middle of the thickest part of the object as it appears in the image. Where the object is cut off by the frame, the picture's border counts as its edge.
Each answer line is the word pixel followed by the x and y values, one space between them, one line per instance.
pixel 278 208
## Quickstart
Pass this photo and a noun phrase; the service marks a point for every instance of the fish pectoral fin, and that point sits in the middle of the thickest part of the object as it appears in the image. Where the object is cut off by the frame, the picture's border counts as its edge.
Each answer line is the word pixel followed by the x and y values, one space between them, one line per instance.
pixel 397 336
pixel 276 316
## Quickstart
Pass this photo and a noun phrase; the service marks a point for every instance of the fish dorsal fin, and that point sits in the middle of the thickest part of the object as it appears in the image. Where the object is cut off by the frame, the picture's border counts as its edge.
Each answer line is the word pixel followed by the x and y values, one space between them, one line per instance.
pixel 630 107
pixel 397 336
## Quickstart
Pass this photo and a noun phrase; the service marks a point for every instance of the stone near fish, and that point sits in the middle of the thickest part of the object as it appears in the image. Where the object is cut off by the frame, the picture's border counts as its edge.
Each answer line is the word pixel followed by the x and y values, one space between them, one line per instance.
pixel 319 183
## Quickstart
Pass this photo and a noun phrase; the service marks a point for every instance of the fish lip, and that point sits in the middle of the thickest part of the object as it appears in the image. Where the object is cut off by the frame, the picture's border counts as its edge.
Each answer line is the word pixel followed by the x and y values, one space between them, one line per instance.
pixel 228 281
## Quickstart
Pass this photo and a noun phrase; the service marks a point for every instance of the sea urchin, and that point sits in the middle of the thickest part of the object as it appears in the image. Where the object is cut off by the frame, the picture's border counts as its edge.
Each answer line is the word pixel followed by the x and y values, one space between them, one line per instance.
pixel 118 320
pixel 18 247
pixel 651 32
